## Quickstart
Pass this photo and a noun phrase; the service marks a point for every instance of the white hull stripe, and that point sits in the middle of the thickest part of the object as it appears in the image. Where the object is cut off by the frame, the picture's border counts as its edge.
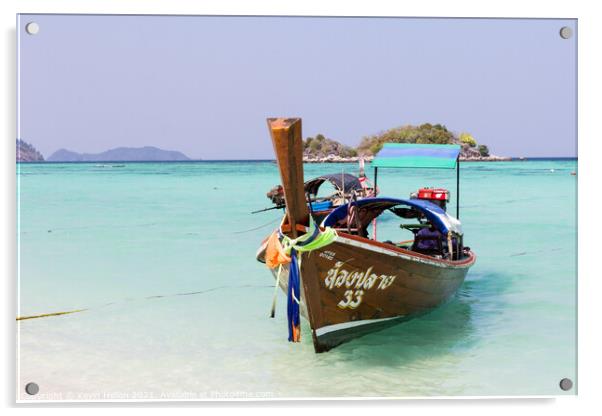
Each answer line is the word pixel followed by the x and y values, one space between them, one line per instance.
pixel 351 324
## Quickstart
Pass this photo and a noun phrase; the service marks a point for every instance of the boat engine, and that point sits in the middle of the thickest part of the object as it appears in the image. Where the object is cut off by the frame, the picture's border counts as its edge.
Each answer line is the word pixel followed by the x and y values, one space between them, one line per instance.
pixel 438 196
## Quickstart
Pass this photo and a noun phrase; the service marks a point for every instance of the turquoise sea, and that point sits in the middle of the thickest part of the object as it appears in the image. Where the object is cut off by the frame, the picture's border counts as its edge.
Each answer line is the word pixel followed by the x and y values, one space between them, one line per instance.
pixel 162 257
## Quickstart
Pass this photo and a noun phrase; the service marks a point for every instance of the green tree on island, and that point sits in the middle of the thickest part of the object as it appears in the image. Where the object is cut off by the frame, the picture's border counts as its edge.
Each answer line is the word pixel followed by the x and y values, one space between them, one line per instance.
pixel 483 150
pixel 467 139
pixel 321 146
pixel 424 134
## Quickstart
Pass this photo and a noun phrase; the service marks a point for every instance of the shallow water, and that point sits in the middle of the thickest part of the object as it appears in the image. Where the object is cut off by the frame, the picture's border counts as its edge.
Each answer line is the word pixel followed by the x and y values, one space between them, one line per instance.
pixel 163 257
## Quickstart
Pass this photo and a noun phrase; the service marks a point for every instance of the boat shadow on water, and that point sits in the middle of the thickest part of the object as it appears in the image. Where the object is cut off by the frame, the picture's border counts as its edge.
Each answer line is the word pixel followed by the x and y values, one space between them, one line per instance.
pixel 455 326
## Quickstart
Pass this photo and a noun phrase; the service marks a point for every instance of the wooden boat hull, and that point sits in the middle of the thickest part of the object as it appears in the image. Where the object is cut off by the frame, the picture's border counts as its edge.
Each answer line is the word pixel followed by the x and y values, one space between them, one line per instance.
pixel 352 285
pixel 355 286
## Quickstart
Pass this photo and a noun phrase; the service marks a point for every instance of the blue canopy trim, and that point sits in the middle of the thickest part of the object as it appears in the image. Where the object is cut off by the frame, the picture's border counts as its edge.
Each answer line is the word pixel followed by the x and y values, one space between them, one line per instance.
pixel 433 213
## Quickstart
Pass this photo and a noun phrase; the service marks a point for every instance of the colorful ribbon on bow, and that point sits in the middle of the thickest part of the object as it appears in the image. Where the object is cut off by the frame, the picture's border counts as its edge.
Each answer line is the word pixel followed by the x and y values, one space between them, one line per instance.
pixel 279 253
pixel 293 296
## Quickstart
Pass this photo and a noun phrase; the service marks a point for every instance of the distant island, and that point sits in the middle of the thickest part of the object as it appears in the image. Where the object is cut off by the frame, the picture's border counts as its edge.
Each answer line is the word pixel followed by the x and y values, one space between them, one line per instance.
pixel 120 154
pixel 318 149
pixel 321 149
pixel 27 153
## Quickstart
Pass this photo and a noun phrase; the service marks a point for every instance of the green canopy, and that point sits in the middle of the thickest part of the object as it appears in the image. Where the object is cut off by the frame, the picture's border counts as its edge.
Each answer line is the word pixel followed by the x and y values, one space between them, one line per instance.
pixel 412 155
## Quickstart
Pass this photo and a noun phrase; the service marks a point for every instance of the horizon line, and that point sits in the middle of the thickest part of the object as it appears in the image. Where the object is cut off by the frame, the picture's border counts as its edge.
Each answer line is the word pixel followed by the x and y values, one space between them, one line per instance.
pixel 513 158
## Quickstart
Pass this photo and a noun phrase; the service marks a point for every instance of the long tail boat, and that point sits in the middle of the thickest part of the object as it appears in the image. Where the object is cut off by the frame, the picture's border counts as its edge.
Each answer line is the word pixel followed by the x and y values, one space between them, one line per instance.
pixel 341 279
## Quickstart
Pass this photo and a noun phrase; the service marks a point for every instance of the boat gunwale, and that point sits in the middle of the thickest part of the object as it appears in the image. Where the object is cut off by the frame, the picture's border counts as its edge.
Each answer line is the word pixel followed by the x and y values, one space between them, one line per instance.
pixel 396 251
pixel 467 262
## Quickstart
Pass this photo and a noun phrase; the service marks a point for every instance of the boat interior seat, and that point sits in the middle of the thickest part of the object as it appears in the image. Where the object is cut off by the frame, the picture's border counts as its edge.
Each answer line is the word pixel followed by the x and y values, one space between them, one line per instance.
pixel 431 251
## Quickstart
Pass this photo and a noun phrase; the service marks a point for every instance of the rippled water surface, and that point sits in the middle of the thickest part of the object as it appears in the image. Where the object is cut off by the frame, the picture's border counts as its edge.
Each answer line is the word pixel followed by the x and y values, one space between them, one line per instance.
pixel 162 257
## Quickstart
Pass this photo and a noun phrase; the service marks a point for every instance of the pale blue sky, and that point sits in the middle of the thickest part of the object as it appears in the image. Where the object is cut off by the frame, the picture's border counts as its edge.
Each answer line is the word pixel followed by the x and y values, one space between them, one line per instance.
pixel 205 85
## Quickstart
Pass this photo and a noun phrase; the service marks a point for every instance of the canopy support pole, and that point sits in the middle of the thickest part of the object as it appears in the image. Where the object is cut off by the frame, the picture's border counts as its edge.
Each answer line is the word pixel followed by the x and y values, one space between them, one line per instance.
pixel 375 179
pixel 458 187
pixel 375 195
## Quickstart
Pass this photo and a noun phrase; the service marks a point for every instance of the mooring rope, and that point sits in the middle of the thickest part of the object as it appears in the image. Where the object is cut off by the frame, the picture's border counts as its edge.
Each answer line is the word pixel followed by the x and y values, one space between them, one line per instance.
pixel 275 296
pixel 199 292
pixel 258 228
pixel 46 315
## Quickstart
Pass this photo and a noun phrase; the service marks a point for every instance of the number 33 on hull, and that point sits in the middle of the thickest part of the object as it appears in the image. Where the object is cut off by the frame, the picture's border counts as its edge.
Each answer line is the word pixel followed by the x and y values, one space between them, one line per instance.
pixel 345 282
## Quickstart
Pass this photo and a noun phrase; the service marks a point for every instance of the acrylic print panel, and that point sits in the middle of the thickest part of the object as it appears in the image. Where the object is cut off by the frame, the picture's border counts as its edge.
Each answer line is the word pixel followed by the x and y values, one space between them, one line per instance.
pixel 143 149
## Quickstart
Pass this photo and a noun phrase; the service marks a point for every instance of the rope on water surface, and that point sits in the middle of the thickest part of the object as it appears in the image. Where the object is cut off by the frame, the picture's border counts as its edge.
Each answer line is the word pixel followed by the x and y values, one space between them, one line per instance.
pixel 257 228
pixel 47 315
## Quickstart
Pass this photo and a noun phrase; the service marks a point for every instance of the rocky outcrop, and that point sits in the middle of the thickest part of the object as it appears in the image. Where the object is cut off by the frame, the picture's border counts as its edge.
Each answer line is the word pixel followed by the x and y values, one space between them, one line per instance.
pixel 27 153
pixel 322 147
pixel 490 158
pixel 473 154
pixel 468 152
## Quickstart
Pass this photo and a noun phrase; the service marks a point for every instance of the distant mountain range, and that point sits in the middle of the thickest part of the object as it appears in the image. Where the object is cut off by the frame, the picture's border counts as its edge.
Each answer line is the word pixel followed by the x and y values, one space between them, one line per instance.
pixel 119 154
